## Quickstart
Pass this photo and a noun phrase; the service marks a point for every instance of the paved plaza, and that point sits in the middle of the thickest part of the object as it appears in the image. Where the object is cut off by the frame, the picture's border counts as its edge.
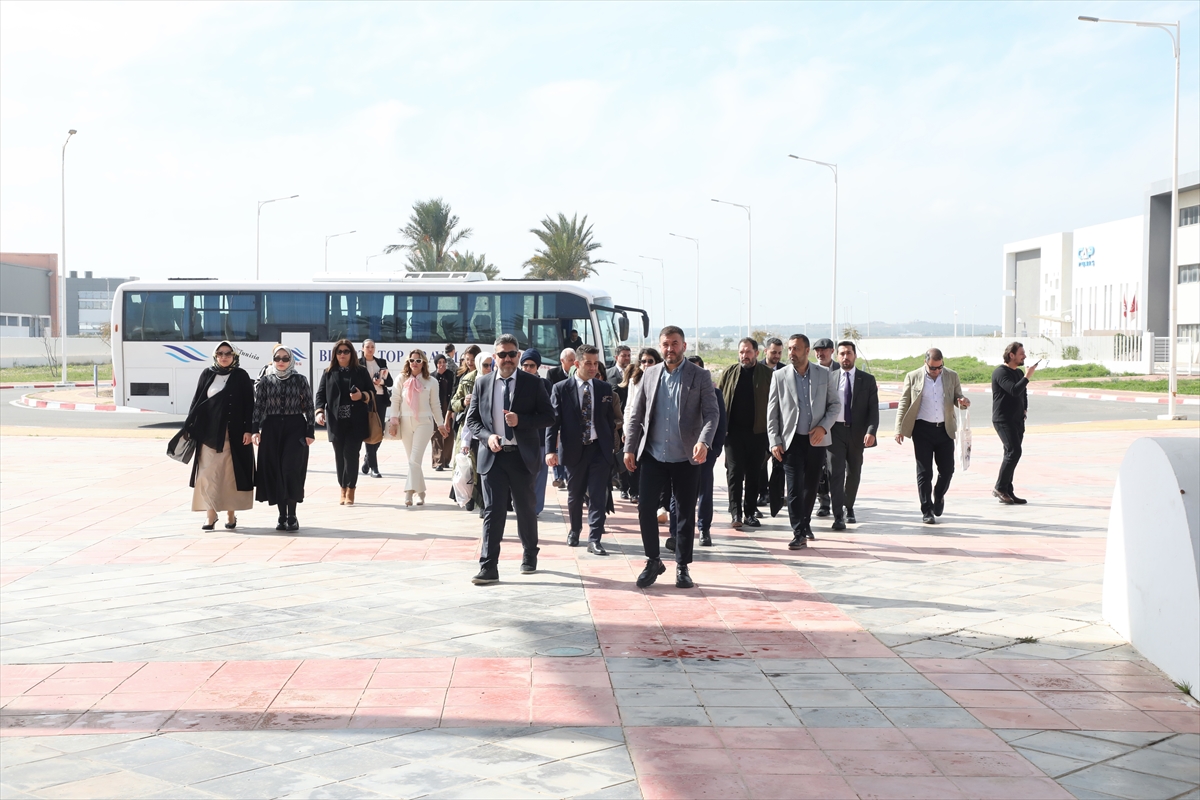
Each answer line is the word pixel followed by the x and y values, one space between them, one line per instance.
pixel 143 657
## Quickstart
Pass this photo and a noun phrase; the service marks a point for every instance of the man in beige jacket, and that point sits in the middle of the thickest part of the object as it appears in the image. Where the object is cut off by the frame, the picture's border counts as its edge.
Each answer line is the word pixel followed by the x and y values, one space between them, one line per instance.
pixel 926 413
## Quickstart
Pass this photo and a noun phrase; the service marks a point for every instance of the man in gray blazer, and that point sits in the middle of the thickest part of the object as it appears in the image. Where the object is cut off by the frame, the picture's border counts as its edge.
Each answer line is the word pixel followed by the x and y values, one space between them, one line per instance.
pixel 669 427
pixel 801 410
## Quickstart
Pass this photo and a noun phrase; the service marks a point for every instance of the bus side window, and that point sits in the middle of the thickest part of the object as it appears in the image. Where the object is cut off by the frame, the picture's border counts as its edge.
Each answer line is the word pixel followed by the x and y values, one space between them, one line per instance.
pixel 155 316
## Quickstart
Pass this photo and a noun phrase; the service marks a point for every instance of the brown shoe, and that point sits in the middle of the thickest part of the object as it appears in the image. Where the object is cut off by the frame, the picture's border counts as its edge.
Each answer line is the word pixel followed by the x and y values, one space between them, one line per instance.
pixel 350 497
pixel 342 502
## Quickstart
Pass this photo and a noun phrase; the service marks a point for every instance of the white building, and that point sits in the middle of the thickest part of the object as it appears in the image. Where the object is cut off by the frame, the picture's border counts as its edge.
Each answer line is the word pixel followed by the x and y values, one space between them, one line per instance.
pixel 1108 278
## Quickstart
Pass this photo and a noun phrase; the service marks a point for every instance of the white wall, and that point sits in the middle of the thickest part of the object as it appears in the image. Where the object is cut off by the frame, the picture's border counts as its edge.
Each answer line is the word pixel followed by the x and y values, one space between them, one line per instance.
pixel 1040 307
pixel 27 352
pixel 1107 272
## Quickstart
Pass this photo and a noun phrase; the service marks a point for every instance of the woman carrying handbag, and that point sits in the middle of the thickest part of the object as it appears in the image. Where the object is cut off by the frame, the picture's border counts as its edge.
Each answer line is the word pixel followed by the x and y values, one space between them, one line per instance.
pixel 343 405
pixel 416 413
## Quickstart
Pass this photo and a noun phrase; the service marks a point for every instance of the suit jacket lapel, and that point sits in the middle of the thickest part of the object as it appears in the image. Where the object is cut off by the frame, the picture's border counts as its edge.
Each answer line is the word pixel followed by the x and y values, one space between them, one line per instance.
pixel 485 399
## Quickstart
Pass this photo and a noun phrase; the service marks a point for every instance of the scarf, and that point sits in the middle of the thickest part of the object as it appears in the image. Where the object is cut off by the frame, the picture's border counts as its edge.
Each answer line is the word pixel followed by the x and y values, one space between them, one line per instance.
pixel 412 394
pixel 291 368
pixel 217 368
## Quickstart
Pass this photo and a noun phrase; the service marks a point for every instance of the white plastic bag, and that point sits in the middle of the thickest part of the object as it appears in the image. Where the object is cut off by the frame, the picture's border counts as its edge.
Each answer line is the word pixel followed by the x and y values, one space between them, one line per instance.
pixel 964 439
pixel 463 482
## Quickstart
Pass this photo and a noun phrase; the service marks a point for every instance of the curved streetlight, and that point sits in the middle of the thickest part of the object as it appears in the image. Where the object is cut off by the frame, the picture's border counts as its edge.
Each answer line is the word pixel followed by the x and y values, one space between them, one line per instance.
pixel 697 243
pixel 833 298
pixel 333 236
pixel 258 227
pixel 663 302
pixel 62 304
pixel 749 254
pixel 739 327
pixel 367 263
pixel 1172 30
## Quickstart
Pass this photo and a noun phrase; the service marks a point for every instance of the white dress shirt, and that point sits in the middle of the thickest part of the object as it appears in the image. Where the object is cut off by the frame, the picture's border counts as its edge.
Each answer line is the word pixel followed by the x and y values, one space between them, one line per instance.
pixel 590 433
pixel 844 376
pixel 933 400
pixel 498 404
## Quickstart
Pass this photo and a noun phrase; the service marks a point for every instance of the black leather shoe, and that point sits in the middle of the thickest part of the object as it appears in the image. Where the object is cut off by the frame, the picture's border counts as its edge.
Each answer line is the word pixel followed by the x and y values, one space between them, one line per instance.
pixel 670 543
pixel 366 468
pixel 527 568
pixel 705 539
pixel 764 501
pixel 736 521
pixel 231 525
pixel 850 516
pixel 282 526
pixel 654 568
pixel 752 522
pixel 624 494
pixel 838 525
pixel 823 512
pixel 572 538
pixel 208 526
pixel 597 549
pixel 927 518
pixel 375 473
pixel 293 524
pixel 807 531
pixel 486 576
pixel 1018 501
pixel 939 505
pixel 683 579
pixel 1003 497
pixel 798 543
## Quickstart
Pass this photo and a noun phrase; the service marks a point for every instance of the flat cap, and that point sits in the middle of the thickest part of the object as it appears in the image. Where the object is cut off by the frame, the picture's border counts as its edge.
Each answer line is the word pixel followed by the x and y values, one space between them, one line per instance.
pixel 820 344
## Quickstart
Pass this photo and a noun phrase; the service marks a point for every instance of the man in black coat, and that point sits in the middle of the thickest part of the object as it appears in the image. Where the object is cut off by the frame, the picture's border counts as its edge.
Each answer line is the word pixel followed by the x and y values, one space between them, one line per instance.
pixel 853 432
pixel 509 410
pixel 584 428
pixel 1010 406
pixel 557 374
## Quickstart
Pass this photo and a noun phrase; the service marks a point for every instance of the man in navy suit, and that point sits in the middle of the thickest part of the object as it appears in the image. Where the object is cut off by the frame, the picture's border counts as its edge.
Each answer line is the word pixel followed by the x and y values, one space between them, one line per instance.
pixel 509 410
pixel 584 428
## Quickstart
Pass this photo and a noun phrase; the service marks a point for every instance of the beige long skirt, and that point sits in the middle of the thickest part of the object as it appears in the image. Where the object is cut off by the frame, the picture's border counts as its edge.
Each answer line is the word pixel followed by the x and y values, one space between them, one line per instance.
pixel 216 486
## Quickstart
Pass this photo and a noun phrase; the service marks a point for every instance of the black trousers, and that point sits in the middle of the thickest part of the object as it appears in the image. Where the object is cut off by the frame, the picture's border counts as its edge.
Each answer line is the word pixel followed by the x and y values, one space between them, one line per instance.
pixel 371 459
pixel 931 443
pixel 346 447
pixel 823 488
pixel 704 501
pixel 590 477
pixel 508 479
pixel 802 464
pixel 744 454
pixel 845 459
pixel 772 487
pixel 1011 436
pixel 684 479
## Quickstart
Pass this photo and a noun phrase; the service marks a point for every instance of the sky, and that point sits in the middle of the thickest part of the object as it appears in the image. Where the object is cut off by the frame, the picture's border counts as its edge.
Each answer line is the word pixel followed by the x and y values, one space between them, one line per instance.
pixel 956 128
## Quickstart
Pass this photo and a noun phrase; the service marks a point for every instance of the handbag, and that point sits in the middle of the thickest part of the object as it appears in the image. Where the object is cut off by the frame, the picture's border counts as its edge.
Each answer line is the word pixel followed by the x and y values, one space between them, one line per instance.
pixel 462 484
pixel 375 436
pixel 181 448
pixel 964 440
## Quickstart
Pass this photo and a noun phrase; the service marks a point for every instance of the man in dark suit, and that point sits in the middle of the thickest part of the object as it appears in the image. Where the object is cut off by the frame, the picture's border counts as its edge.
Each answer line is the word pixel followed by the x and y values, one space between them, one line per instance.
pixel 670 426
pixel 557 374
pixel 584 428
pixel 509 410
pixel 853 431
pixel 770 490
pixel 616 373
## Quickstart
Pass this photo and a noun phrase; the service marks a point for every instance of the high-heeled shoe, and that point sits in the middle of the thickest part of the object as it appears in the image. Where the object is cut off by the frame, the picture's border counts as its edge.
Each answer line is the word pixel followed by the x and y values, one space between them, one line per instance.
pixel 208 526
pixel 408 498
pixel 420 498
pixel 231 524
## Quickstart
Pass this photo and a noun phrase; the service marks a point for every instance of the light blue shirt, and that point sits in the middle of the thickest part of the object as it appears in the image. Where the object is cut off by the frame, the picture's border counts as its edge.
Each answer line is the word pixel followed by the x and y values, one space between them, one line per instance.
pixel 663 440
pixel 804 398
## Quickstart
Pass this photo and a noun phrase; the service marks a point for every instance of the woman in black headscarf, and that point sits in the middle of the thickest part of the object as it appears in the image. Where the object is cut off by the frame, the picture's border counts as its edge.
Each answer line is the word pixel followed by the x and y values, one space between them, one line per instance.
pixel 219 421
pixel 283 431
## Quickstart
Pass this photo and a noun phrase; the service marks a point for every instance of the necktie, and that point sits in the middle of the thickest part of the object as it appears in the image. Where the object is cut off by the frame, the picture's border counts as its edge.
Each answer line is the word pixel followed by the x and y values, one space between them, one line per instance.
pixel 586 407
pixel 508 431
pixel 846 400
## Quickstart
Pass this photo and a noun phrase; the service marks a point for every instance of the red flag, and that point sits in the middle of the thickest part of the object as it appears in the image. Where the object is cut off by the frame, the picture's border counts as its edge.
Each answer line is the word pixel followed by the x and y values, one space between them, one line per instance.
pixel 1133 305
pixel 1124 307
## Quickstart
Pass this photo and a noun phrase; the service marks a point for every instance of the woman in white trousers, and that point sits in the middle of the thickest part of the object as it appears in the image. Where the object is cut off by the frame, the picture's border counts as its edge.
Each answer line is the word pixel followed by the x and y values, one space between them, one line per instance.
pixel 416 413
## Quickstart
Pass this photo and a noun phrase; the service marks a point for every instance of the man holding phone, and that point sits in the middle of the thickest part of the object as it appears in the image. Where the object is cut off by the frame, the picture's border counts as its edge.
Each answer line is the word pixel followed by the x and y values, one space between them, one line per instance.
pixel 1010 407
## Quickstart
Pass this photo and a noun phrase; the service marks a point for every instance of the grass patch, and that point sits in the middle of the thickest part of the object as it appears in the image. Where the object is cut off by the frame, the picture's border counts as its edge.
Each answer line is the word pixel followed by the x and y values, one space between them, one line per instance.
pixel 75 372
pixel 1184 686
pixel 1027 640
pixel 972 370
pixel 1186 386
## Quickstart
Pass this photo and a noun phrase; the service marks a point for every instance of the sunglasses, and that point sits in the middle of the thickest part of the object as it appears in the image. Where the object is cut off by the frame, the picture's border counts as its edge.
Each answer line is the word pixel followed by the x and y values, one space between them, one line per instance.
pixel 650 361
pixel 935 369
pixel 344 352
pixel 507 353
pixel 284 359
pixel 224 354
pixel 415 360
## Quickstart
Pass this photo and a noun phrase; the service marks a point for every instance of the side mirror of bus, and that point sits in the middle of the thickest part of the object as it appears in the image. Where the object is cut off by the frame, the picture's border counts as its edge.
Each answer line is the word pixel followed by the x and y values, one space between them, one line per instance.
pixel 623 327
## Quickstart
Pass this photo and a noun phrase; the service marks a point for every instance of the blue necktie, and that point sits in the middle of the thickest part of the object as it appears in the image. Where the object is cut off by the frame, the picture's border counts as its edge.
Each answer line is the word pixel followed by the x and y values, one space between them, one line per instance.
pixel 508 432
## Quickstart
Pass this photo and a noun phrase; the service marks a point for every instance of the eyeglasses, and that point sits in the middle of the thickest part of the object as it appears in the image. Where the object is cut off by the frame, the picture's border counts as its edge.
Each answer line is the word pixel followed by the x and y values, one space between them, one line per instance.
pixel 284 359
pixel 344 352
pixel 507 353
pixel 224 354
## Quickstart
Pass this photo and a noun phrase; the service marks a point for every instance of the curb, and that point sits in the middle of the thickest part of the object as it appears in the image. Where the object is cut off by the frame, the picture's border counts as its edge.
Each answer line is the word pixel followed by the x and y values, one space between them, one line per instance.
pixel 1119 398
pixel 77 385
pixel 54 405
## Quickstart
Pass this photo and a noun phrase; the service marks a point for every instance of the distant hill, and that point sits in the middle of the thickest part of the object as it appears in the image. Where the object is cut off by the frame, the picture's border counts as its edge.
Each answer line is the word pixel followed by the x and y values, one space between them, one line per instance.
pixel 813 329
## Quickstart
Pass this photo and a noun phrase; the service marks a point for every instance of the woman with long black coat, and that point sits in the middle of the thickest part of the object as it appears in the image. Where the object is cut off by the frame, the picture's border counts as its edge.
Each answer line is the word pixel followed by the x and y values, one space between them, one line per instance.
pixel 219 421
pixel 342 407
pixel 283 431
pixel 381 377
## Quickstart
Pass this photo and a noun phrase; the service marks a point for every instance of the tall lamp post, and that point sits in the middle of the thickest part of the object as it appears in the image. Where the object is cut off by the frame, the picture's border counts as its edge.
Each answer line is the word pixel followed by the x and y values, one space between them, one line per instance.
pixel 868 296
pixel 749 254
pixel 641 335
pixel 833 296
pixel 62 303
pixel 697 243
pixel 258 228
pixel 739 330
pixel 367 263
pixel 663 301
pixel 642 284
pixel 1172 30
pixel 333 236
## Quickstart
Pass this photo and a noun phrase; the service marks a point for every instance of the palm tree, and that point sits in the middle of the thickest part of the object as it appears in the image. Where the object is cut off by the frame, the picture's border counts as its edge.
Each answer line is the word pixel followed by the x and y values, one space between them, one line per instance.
pixel 567 251
pixel 430 233
pixel 469 262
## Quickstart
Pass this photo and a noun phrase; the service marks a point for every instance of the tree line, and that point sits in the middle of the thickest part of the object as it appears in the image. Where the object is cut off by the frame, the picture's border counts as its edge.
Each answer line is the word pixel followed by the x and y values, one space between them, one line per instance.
pixel 432 235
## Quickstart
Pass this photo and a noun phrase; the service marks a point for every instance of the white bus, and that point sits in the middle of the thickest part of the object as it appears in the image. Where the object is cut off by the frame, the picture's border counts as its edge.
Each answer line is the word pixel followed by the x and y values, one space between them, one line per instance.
pixel 163 332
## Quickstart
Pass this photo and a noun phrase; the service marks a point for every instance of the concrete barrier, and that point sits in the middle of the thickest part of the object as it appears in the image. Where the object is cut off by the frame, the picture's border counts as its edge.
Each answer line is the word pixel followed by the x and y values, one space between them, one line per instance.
pixel 22 352
pixel 1152 562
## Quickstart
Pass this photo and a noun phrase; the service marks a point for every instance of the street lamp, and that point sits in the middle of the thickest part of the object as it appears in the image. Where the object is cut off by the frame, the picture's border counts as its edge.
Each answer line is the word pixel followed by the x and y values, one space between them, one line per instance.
pixel 739 330
pixel 641 334
pixel 868 296
pixel 62 303
pixel 333 236
pixel 642 283
pixel 258 228
pixel 367 263
pixel 663 267
pixel 697 243
pixel 749 254
pixel 1172 30
pixel 833 296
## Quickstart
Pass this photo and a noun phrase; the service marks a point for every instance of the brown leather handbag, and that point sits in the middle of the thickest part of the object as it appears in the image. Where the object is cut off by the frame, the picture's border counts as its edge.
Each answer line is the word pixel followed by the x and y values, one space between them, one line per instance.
pixel 376 427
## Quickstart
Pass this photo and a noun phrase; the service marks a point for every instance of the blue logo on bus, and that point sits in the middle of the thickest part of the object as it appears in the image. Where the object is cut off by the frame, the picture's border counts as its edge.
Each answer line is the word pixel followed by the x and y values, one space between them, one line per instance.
pixel 187 354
